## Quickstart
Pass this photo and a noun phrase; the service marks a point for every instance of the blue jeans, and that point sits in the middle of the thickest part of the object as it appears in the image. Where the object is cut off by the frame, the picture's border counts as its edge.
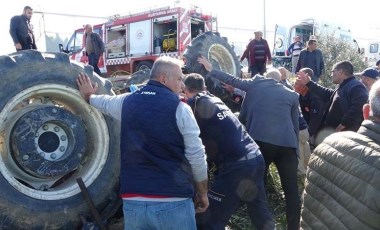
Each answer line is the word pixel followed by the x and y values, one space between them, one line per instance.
pixel 93 60
pixel 236 182
pixel 159 215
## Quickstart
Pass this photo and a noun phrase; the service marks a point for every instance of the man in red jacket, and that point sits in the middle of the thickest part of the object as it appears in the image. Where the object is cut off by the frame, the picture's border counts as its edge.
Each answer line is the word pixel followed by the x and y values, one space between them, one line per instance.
pixel 258 54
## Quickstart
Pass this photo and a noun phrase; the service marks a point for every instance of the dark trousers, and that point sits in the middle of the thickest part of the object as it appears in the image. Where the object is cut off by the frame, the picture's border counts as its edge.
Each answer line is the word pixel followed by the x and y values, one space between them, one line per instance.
pixel 240 181
pixel 259 67
pixel 93 60
pixel 286 161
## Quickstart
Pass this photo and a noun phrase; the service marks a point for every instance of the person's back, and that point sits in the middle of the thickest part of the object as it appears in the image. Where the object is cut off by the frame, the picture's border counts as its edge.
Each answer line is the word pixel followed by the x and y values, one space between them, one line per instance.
pixel 238 160
pixel 270 112
pixel 162 156
pixel 220 127
pixel 269 109
pixel 343 180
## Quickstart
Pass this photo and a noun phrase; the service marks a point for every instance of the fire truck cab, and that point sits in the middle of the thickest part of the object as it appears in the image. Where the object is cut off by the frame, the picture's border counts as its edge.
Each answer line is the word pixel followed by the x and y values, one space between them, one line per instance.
pixel 133 42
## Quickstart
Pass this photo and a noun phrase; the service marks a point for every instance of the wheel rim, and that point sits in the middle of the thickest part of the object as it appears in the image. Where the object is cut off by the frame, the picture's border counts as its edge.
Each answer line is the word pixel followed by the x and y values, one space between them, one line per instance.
pixel 63 137
pixel 222 59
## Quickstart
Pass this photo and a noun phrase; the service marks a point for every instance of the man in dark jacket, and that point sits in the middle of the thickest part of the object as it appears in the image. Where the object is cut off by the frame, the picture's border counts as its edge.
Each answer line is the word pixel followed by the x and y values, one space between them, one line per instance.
pixel 22 31
pixel 343 179
pixel 312 106
pixel 343 110
pixel 94 48
pixel 311 57
pixel 240 165
pixel 258 54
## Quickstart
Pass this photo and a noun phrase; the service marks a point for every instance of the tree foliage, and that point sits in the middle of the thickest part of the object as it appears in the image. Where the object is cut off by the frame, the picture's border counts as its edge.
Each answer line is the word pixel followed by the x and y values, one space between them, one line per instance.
pixel 335 50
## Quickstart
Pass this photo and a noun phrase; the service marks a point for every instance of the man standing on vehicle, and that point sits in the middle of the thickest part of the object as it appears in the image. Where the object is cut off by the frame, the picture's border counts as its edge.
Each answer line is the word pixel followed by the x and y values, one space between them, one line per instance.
pixel 238 160
pixel 22 31
pixel 94 48
pixel 162 155
pixel 258 54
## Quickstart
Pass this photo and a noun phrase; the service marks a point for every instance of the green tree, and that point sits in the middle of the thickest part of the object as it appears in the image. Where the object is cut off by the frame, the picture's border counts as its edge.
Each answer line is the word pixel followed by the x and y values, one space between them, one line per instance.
pixel 335 50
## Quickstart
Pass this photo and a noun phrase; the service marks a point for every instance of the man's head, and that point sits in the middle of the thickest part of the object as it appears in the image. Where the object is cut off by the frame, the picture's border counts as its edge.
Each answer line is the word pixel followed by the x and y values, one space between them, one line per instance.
pixel 274 74
pixel 301 88
pixel 194 83
pixel 88 28
pixel 28 12
pixel 341 71
pixel 258 35
pixel 167 71
pixel 308 71
pixel 312 45
pixel 297 38
pixel 284 73
pixel 368 77
pixel 373 107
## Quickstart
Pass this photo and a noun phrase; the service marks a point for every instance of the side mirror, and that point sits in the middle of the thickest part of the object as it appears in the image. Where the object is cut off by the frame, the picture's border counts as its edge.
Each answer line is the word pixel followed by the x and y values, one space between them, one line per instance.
pixel 61 49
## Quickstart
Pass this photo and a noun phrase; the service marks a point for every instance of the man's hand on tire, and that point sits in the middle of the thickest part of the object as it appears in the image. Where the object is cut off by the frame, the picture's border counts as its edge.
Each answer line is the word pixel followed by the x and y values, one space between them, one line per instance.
pixel 86 87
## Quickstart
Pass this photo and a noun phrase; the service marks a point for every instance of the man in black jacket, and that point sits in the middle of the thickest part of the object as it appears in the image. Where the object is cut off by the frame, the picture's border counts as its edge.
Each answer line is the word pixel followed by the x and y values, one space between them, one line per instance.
pixel 240 165
pixel 94 48
pixel 343 110
pixel 22 31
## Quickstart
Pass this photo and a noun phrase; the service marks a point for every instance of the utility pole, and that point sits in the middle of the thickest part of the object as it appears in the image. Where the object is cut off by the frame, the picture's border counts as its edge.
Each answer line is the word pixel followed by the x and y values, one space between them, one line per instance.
pixel 265 25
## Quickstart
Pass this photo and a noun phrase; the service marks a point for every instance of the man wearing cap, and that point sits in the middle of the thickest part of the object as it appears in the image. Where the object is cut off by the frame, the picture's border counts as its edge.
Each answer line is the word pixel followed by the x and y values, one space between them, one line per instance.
pixel 258 54
pixel 368 77
pixel 312 58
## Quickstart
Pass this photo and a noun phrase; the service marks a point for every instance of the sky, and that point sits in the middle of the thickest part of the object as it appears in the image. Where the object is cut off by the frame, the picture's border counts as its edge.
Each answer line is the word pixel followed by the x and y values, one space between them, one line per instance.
pixel 237 19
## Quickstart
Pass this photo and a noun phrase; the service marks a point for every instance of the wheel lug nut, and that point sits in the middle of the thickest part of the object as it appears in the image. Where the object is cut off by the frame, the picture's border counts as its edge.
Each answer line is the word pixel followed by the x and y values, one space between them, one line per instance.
pixel 45 127
pixel 53 156
pixel 62 148
pixel 56 129
pixel 63 138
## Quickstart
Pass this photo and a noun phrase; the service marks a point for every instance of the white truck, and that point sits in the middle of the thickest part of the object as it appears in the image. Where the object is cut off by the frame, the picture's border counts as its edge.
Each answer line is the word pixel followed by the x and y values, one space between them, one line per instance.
pixel 284 37
pixel 372 54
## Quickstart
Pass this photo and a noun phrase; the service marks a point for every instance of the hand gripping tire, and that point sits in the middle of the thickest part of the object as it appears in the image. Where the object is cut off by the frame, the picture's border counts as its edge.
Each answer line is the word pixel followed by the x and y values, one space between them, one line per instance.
pixel 50 137
pixel 221 55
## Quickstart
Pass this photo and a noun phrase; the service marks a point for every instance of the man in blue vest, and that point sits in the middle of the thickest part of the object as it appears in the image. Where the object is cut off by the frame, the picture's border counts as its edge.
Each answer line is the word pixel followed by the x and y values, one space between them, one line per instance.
pixel 162 155
pixel 240 165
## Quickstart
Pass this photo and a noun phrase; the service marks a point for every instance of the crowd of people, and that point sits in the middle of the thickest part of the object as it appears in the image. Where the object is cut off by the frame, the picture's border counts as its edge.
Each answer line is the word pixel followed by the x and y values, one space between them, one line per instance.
pixel 169 171
pixel 173 130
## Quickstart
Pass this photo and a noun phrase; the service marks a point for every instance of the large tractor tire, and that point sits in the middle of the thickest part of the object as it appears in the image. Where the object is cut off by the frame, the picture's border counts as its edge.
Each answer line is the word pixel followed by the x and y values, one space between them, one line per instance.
pixel 221 55
pixel 50 137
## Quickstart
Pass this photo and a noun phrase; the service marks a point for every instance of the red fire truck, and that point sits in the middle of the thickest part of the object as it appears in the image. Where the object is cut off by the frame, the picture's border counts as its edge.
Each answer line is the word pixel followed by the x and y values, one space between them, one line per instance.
pixel 133 42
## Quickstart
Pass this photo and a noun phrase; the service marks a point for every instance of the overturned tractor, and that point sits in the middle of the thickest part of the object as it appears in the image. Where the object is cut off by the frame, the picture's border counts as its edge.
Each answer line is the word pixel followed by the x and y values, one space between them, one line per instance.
pixel 50 137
